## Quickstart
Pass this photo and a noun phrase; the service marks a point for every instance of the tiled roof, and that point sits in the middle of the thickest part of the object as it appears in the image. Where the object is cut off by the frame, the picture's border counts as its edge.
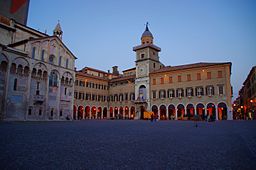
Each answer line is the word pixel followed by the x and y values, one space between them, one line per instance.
pixel 122 78
pixel 187 66
pixel 91 76
pixel 145 46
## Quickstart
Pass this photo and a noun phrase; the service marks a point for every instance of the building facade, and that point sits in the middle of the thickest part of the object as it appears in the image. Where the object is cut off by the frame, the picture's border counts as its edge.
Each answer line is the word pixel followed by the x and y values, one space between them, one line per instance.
pixel 36 74
pixel 170 92
pixel 245 104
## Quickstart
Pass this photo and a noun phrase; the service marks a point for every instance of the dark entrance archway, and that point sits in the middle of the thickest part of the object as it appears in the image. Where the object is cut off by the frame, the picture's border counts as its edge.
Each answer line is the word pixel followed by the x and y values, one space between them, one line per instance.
pixel 116 112
pixel 155 111
pixel 121 112
pixel 126 110
pixel 180 111
pixel 200 111
pixel 132 113
pixel 142 110
pixel 105 112
pixel 190 111
pixel 99 113
pixel 211 111
pixel 163 112
pixel 87 112
pixel 80 112
pixel 171 112
pixel 111 115
pixel 222 111
pixel 93 112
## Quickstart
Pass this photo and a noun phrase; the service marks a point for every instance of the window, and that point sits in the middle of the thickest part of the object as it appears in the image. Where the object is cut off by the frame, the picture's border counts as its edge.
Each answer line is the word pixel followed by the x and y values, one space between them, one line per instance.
pixel 171 93
pixel 142 56
pixel 15 85
pixel 180 92
pixel 126 96
pixel 170 79
pixel 60 58
pixel 179 78
pixel 33 52
pixel 60 113
pixel 221 89
pixel 40 112
pixel 220 74
pixel 154 81
pixel 75 95
pixel 51 59
pixel 67 63
pixel 29 111
pixel 76 82
pixel 199 91
pixel 154 65
pixel 189 92
pixel 52 112
pixel 209 90
pixel 198 76
pixel 209 75
pixel 42 55
pixel 65 91
pixel 53 80
pixel 188 77
pixel 37 88
pixel 162 80
pixel 154 94
pixel 162 94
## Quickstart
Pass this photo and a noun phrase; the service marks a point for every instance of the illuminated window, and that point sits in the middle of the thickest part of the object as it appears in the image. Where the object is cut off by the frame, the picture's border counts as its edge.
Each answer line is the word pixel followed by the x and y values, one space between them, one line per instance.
pixel 209 90
pixel 189 92
pixel 188 77
pixel 162 80
pixel 154 94
pixel 170 79
pixel 199 91
pixel 198 76
pixel 179 78
pixel 220 74
pixel 221 89
pixel 154 81
pixel 209 75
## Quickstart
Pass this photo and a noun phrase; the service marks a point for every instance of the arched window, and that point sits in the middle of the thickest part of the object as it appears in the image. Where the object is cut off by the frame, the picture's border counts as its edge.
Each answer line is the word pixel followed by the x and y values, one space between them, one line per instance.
pixel 26 71
pixel 53 79
pixel 13 68
pixel 51 59
pixel 20 70
pixel 3 66
pixel 60 58
pixel 142 93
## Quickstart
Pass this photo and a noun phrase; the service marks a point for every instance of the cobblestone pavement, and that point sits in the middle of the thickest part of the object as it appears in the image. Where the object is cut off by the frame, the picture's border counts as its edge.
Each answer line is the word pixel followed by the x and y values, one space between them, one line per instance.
pixel 125 144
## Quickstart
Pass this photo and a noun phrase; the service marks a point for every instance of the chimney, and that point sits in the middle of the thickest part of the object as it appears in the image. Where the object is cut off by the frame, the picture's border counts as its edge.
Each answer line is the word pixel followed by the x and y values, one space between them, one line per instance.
pixel 115 70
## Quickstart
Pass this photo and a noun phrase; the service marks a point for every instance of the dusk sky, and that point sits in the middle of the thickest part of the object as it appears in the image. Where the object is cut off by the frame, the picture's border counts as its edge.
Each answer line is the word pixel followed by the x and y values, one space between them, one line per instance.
pixel 101 33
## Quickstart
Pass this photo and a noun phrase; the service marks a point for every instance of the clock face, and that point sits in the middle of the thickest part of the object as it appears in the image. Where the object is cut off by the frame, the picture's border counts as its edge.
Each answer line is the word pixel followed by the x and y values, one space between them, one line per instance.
pixel 142 70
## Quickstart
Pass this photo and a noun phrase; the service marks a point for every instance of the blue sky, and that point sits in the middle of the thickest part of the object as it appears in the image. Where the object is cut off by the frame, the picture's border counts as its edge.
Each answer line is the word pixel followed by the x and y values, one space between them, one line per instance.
pixel 101 33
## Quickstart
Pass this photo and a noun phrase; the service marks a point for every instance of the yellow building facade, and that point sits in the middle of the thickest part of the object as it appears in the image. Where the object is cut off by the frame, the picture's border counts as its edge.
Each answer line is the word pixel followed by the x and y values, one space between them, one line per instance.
pixel 168 92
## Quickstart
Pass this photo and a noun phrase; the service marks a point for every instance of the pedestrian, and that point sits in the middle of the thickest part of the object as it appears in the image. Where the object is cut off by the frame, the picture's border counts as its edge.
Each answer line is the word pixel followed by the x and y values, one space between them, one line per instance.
pixel 152 117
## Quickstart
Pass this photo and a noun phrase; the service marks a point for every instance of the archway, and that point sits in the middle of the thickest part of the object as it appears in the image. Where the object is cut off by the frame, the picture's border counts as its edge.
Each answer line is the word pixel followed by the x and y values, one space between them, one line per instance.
pixel 126 110
pixel 222 111
pixel 87 112
pixel 211 111
pixel 111 112
pixel 99 113
pixel 142 110
pixel 155 110
pixel 142 93
pixel 180 111
pixel 163 112
pixel 121 111
pixel 132 113
pixel 200 111
pixel 116 112
pixel 190 111
pixel 171 112
pixel 105 111
pixel 74 112
pixel 80 112
pixel 93 112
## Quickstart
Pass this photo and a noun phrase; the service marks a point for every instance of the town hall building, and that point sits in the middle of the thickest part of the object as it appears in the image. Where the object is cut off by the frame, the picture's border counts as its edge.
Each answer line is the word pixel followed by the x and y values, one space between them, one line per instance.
pixel 168 92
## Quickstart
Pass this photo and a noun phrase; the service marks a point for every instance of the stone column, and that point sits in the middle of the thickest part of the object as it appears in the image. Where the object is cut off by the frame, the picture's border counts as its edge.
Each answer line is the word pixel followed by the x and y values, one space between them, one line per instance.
pixel 7 75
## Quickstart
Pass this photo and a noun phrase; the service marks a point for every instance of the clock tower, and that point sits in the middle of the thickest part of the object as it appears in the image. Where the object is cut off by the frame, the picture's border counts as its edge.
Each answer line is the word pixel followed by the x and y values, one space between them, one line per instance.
pixel 147 60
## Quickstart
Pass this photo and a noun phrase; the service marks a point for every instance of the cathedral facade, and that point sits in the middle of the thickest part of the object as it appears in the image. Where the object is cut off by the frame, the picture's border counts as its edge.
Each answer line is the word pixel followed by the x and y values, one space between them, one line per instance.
pixel 37 74
pixel 167 92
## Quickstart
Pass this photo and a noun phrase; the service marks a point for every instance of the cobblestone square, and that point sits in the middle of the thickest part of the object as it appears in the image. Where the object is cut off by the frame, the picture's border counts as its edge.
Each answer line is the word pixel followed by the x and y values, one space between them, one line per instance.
pixel 126 144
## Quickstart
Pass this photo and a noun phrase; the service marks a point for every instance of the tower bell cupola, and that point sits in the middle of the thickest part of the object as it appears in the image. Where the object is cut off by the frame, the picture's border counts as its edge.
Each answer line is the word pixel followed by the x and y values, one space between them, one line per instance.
pixel 147 36
pixel 58 31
